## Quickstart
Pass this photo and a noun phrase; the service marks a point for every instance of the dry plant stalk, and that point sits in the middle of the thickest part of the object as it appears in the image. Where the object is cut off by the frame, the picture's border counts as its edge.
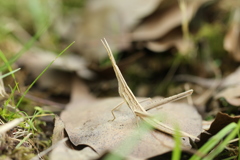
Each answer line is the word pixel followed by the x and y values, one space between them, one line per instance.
pixel 129 98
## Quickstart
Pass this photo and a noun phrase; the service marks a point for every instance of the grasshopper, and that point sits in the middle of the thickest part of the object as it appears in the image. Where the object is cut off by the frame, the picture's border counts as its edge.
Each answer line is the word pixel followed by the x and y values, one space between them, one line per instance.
pixel 131 101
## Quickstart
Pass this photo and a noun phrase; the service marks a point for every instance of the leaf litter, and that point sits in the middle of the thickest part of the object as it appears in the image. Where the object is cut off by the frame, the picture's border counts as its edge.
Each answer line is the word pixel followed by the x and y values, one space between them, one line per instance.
pixel 158 42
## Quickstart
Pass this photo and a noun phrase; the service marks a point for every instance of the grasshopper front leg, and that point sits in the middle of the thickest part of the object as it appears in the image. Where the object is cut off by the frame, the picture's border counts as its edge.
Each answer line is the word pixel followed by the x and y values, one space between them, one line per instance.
pixel 115 108
pixel 119 105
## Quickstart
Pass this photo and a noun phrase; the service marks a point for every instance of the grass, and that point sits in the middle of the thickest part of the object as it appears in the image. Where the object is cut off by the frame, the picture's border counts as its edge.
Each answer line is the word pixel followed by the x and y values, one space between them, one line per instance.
pixel 26 47
pixel 215 141
pixel 30 125
pixel 176 154
pixel 30 86
pixel 9 73
pixel 239 145
pixel 2 56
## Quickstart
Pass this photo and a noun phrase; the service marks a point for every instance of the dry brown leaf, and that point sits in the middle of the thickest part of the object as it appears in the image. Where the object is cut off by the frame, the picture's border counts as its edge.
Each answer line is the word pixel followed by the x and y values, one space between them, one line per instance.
pixel 134 10
pixel 166 19
pixel 232 79
pixel 56 78
pixel 87 123
pixel 166 42
pixel 221 121
pixel 171 39
pixel 231 94
pixel 232 39
pixel 58 131
pixel 61 151
pixel 109 18
pixel 37 59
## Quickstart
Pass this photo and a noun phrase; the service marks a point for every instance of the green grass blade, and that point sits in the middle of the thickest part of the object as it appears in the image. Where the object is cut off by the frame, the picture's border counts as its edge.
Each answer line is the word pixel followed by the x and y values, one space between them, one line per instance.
pixel 24 140
pixel 9 73
pixel 2 56
pixel 223 144
pixel 229 158
pixel 25 48
pixel 11 97
pixel 176 154
pixel 212 142
pixel 239 141
pixel 20 100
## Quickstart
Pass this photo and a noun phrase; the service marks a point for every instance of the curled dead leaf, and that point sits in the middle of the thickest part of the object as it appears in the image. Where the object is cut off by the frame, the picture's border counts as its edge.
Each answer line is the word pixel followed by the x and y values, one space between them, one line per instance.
pixel 221 121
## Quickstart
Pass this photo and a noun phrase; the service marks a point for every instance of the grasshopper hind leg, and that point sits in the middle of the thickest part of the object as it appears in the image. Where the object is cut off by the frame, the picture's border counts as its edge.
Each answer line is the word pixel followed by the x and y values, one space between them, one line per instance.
pixel 120 104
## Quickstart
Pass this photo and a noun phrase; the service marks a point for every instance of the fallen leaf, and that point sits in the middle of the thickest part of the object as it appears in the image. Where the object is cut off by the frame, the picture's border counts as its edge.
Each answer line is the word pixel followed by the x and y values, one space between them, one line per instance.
pixel 60 149
pixel 232 38
pixel 58 131
pixel 133 11
pixel 36 60
pixel 86 122
pixel 111 19
pixel 171 39
pixel 164 20
pixel 232 79
pixel 221 121
pixel 56 79
pixel 231 94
